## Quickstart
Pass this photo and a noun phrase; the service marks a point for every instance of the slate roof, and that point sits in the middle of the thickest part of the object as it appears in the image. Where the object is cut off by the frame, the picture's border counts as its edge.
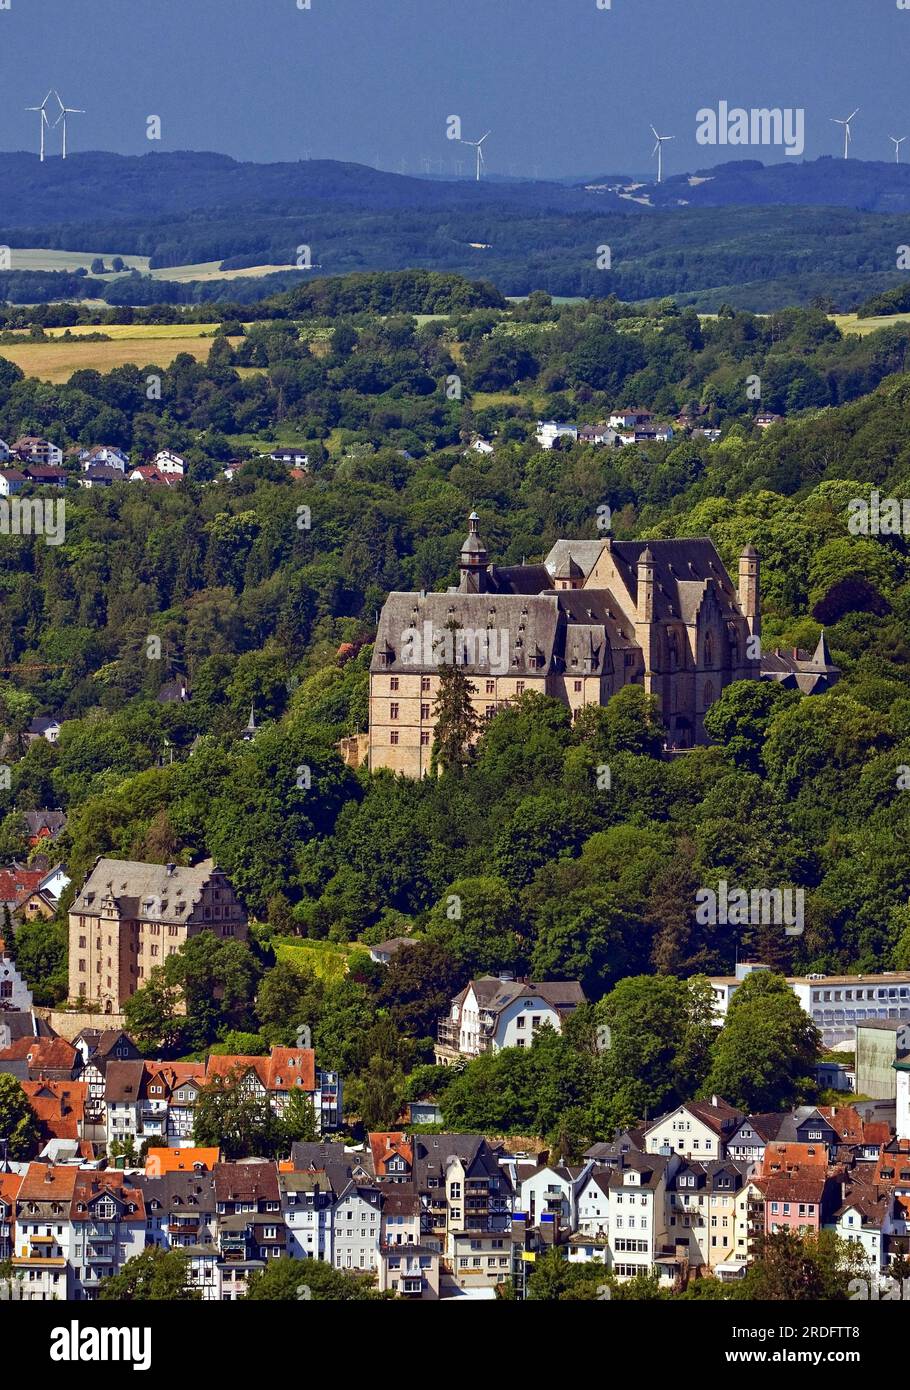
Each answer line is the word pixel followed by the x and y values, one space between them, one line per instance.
pixel 495 995
pixel 133 884
pixel 48 824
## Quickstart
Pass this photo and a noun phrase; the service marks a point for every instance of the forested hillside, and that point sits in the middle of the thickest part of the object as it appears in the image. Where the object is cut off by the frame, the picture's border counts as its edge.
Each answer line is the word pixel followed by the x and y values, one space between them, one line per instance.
pixel 760 238
pixel 263 592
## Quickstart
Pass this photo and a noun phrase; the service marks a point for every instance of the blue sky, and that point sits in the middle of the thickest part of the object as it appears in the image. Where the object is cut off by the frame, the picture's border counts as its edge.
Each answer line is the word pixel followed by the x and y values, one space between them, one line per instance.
pixel 567 88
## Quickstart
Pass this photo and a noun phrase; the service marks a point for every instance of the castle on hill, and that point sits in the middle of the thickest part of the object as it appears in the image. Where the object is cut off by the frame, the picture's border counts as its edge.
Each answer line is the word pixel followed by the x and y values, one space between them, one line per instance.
pixel 597 615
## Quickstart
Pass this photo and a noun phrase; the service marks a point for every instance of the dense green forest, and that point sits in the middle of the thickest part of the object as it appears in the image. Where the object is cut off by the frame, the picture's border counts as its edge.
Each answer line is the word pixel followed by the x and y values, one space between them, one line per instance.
pixel 554 875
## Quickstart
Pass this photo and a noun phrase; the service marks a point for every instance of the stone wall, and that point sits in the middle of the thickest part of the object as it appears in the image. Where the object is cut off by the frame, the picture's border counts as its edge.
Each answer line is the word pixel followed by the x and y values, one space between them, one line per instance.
pixel 69 1023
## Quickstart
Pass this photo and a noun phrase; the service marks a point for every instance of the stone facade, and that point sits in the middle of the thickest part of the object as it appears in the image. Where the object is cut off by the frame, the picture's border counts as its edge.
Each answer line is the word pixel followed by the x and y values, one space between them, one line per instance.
pixel 129 917
pixel 595 616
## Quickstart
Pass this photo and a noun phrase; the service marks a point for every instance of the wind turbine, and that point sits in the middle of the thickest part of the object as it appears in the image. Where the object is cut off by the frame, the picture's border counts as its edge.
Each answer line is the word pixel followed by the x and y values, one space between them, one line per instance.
pixel 64 112
pixel 897 146
pixel 848 134
pixel 42 119
pixel 659 151
pixel 478 146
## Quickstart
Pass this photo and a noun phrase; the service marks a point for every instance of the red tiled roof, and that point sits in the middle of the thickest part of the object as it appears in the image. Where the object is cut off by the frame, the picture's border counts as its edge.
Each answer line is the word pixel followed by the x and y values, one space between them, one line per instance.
pixel 48 1182
pixel 16 884
pixel 793 1157
pixel 59 1106
pixel 9 1187
pixel 92 1185
pixel 388 1144
pixel 42 1054
pixel 286 1069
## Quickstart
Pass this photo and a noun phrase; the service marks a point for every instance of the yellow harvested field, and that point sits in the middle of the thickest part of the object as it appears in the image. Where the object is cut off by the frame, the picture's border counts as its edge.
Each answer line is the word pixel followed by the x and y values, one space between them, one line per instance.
pixel 41 258
pixel 56 362
pixel 144 331
pixel 208 270
pixel 851 323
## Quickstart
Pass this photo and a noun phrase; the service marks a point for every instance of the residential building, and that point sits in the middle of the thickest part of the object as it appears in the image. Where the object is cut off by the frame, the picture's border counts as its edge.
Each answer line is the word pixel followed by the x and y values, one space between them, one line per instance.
pixel 40 1059
pixel 95 1048
pixel 108 1228
pixel 167 462
pixel 15 995
pixel 358 1227
pixel 45 475
pixel 308 1208
pixel 43 1260
pixel 863 1218
pixel 129 916
pixel 492 1013
pixel 392 1154
pixel 383 951
pixel 548 431
pixel 467 1199
pixel 699 1129
pixel 30 449
pixel 59 1108
pixel 11 481
pixel 285 1070
pixel 801 1203
pixel 637 1221
pixel 101 475
pixel 10 1184
pixel 43 827
pixel 633 417
pixel 293 458
pixel 104 456
pixel 43 727
pixel 750 1139
pixel 251 1230
pixel 552 1191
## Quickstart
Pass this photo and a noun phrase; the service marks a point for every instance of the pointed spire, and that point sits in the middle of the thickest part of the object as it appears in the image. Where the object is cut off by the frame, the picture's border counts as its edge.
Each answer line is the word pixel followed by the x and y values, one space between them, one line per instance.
pixel 822 653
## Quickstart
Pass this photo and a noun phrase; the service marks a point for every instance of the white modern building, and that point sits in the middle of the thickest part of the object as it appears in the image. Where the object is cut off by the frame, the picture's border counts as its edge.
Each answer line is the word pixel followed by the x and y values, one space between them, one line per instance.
pixel 835 1003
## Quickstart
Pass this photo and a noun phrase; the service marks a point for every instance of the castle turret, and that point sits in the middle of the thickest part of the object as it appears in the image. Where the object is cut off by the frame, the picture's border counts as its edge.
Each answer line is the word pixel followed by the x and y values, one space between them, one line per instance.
pixel 749 589
pixel 644 611
pixel 474 560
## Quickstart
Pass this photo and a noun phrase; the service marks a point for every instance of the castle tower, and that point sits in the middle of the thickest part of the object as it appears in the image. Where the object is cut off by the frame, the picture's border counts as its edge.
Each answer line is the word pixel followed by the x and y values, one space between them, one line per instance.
pixel 646 632
pixel 750 589
pixel 474 560
pixel 644 612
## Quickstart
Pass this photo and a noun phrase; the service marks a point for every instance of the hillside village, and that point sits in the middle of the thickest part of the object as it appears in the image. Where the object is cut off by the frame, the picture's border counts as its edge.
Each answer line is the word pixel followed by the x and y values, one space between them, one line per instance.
pixel 119 1164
